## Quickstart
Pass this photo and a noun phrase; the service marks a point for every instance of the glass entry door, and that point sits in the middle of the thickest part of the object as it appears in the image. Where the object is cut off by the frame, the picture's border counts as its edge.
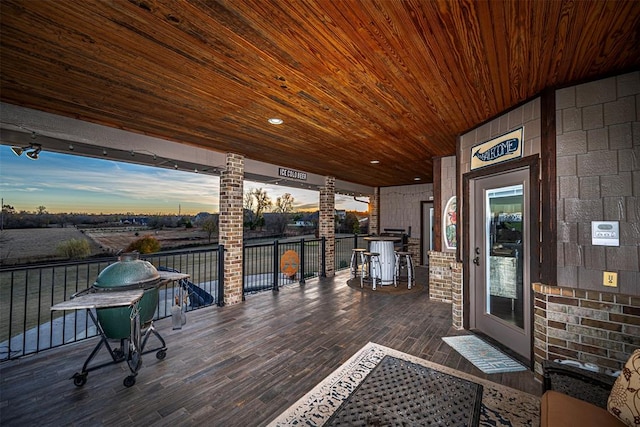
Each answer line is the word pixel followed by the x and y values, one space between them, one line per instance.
pixel 500 259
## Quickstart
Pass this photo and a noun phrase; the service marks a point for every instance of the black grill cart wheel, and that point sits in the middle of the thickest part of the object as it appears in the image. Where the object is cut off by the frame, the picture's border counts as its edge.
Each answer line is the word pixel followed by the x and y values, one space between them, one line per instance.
pixel 79 379
pixel 161 354
pixel 129 381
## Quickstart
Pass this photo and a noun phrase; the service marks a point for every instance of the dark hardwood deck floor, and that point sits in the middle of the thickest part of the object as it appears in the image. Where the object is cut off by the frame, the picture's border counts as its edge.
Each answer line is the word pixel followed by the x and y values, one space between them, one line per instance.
pixel 238 365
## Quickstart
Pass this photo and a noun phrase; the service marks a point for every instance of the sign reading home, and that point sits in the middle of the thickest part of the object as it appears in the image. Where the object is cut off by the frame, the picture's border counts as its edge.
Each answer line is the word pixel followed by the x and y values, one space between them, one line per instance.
pixel 292 174
pixel 498 150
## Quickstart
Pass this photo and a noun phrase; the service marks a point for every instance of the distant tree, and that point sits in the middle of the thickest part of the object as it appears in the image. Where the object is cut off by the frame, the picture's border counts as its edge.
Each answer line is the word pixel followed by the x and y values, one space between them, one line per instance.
pixel 209 226
pixel 42 210
pixel 248 215
pixel 351 224
pixel 263 202
pixel 74 249
pixel 6 216
pixel 185 222
pixel 144 245
pixel 283 208
pixel 259 199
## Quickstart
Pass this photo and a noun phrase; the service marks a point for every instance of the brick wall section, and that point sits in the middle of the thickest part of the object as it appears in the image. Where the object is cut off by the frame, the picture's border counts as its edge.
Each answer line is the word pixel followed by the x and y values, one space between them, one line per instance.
pixel 231 198
pixel 327 223
pixel 457 306
pixel 598 168
pixel 588 326
pixel 374 210
pixel 414 247
pixel 441 275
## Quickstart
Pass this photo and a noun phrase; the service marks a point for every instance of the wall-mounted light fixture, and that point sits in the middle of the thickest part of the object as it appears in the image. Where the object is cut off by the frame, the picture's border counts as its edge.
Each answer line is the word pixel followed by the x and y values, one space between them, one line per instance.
pixel 33 154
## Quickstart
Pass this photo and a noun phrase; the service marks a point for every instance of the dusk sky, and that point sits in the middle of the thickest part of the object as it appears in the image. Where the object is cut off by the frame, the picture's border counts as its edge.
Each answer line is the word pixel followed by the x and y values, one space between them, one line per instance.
pixel 74 184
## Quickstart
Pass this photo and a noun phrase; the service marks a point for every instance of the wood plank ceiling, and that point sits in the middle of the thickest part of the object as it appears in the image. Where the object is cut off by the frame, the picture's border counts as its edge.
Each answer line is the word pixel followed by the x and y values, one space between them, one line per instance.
pixel 354 81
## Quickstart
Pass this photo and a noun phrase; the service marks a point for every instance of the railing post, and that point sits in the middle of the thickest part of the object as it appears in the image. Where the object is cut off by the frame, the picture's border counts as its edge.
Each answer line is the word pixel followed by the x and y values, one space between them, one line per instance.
pixel 355 240
pixel 276 265
pixel 301 269
pixel 220 276
pixel 323 255
pixel 244 269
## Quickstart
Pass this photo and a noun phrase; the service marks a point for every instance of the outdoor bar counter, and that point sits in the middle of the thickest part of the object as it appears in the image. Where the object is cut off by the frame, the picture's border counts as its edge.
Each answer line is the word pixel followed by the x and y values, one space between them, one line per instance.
pixel 384 245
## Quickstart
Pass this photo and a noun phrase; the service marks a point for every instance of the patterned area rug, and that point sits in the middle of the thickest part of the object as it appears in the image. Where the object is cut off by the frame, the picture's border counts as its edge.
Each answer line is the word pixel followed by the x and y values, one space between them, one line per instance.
pixel 484 356
pixel 501 406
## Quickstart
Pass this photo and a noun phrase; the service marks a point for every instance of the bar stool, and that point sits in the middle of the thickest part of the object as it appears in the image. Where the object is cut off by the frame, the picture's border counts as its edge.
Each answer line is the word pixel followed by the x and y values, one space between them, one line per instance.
pixel 356 257
pixel 406 257
pixel 373 267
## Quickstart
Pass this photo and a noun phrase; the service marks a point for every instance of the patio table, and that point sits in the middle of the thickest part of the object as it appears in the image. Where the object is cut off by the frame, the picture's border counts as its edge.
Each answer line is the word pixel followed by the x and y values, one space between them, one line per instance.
pixel 384 245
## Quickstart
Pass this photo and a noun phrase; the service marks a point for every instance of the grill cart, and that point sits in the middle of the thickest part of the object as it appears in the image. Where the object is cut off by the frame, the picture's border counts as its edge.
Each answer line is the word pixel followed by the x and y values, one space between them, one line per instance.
pixel 124 297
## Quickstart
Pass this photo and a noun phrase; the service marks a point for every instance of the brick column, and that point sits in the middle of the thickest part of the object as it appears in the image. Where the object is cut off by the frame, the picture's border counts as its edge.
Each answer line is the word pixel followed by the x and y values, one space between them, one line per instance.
pixel 457 301
pixel 374 207
pixel 327 222
pixel 231 197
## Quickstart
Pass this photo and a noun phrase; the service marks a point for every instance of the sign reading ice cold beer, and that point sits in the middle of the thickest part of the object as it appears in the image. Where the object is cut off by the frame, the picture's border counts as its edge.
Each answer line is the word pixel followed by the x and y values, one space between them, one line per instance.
pixel 292 174
pixel 498 150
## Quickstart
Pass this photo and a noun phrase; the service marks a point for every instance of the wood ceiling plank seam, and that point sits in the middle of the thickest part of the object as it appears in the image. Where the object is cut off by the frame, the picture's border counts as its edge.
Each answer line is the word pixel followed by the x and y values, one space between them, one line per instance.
pixel 312 49
pixel 455 18
pixel 334 85
pixel 432 59
pixel 60 54
pixel 517 16
pixel 220 70
pixel 388 90
pixel 541 65
pixel 405 86
pixel 603 41
pixel 481 48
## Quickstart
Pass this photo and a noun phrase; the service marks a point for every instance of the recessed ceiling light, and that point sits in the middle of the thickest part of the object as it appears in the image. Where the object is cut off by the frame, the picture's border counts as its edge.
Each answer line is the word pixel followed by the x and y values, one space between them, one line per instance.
pixel 276 121
pixel 374 162
pixel 417 178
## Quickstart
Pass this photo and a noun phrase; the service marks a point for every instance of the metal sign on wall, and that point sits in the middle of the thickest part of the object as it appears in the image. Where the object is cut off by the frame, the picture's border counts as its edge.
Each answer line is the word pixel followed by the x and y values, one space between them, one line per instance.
pixel 293 174
pixel 501 149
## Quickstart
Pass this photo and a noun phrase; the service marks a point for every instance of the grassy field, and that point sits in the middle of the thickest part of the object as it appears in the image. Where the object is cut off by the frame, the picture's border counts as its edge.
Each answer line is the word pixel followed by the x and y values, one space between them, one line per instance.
pixel 25 246
pixel 28 245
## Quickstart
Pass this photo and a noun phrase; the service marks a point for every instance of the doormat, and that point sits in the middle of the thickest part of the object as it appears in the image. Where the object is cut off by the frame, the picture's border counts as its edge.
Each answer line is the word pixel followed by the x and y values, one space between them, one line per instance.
pixel 485 357
pixel 501 406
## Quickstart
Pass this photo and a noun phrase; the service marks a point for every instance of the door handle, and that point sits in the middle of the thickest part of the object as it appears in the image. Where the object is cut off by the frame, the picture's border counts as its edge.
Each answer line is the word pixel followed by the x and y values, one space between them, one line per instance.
pixel 476 260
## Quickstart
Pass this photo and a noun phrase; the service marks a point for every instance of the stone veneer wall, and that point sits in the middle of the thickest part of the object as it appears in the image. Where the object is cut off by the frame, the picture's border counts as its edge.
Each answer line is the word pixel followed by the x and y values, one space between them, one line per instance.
pixel 231 209
pixel 327 223
pixel 598 169
pixel 588 326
